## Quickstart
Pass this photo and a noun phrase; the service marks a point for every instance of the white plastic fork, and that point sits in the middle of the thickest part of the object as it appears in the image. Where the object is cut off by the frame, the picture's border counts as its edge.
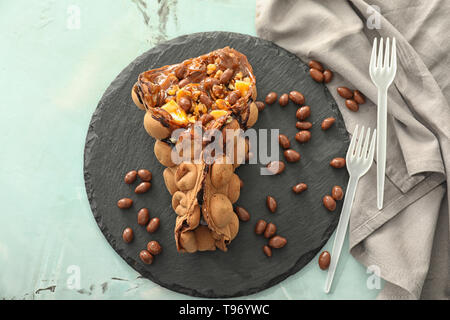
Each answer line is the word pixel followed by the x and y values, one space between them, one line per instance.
pixel 358 160
pixel 382 72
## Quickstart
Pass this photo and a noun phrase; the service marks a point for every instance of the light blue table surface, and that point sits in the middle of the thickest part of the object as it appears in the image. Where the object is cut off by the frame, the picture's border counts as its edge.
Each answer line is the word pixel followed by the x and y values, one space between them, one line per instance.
pixel 56 60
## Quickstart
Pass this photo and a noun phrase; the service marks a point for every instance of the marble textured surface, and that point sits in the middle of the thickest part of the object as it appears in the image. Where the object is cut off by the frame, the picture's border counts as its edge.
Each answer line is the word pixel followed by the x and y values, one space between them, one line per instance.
pixel 58 59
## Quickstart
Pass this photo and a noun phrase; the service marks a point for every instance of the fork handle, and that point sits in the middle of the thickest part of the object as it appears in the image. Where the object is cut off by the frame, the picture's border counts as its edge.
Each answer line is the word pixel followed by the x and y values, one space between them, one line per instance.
pixel 381 144
pixel 341 230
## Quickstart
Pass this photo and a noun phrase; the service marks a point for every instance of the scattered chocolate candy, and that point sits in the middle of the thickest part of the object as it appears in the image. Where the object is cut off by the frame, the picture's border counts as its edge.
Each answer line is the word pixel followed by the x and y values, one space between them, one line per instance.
pixel 127 235
pixel 296 97
pixel 206 100
pixel 337 163
pixel 327 123
pixel 146 257
pixel 277 242
pixel 324 260
pixel 124 203
pixel 284 99
pixel 260 105
pixel 183 82
pixel 154 247
pixel 276 167
pixel 303 113
pixel 337 193
pixel 233 97
pixel 316 75
pixel 260 226
pixel 267 251
pixel 352 105
pixel 210 82
pixel 143 216
pixel 303 125
pixel 284 141
pixel 316 65
pixel 271 204
pixel 143 187
pixel 299 188
pixel 180 72
pixel 153 225
pixel 359 97
pixel 205 118
pixel 329 203
pixel 130 177
pixel 270 231
pixel 303 136
pixel 327 76
pixel 185 103
pixel 291 155
pixel 271 97
pixel 345 92
pixel 242 214
pixel 145 175
pixel 226 76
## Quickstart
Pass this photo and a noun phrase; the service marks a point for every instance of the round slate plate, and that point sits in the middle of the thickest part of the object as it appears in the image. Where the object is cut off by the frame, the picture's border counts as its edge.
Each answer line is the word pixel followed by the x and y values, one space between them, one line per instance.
pixel 117 142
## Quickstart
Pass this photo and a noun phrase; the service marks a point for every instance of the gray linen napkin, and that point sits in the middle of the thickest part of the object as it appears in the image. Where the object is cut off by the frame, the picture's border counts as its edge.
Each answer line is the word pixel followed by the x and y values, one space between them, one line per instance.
pixel 408 239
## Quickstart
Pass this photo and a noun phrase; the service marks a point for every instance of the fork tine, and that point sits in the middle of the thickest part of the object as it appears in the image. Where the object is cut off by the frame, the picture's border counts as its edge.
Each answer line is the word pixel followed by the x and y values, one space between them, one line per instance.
pixel 351 148
pixel 387 54
pixel 372 145
pixel 380 54
pixel 373 57
pixel 360 143
pixel 394 55
pixel 366 144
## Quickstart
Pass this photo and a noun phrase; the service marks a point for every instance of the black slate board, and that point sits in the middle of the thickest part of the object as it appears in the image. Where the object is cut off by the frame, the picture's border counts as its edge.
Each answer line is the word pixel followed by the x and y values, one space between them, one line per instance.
pixel 117 142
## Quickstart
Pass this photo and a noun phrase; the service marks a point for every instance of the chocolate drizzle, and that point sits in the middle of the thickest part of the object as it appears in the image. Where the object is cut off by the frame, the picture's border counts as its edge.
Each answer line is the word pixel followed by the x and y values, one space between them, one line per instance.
pixel 155 86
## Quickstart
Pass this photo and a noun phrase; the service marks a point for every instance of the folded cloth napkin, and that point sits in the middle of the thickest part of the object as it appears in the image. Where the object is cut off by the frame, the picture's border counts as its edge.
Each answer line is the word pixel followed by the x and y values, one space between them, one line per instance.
pixel 408 240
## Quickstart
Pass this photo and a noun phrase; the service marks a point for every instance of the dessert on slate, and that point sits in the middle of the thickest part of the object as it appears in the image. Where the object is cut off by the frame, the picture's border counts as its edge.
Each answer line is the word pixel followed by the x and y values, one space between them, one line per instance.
pixel 218 90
